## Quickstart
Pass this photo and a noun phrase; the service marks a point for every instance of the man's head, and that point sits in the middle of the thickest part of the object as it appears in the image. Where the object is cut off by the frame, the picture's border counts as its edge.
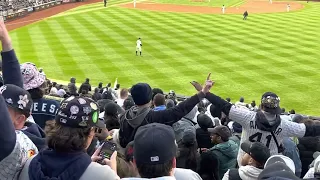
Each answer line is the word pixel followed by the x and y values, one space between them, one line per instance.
pixel 141 94
pixel 219 134
pixel 100 85
pixel 19 103
pixel 159 100
pixel 128 103
pixel 228 99
pixel 241 99
pixel 253 104
pixel 204 121
pixel 155 150
pixel 117 86
pixel 124 93
pixel 270 103
pixel 87 80
pixel 256 154
pixel 156 91
pixel 75 125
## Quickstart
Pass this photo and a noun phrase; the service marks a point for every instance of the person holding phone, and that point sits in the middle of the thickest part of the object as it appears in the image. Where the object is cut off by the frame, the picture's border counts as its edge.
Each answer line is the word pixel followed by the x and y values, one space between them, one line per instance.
pixel 68 138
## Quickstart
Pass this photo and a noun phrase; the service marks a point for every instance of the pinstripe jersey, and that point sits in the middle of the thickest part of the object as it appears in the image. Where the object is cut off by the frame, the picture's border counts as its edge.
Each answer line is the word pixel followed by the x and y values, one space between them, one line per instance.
pixel 250 132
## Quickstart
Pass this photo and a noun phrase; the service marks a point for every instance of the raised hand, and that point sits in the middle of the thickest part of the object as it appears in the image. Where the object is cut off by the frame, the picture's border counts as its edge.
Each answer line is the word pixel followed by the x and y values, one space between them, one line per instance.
pixel 208 84
pixel 4 36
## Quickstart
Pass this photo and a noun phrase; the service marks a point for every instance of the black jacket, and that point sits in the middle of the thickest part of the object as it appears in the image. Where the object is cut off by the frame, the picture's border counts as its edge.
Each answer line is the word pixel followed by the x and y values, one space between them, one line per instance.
pixel 307 146
pixel 135 117
pixel 85 87
pixel 203 139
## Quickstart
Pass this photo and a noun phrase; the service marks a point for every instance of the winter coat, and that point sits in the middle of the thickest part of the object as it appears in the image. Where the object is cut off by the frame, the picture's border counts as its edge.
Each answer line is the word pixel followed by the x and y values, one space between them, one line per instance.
pixel 227 154
pixel 72 87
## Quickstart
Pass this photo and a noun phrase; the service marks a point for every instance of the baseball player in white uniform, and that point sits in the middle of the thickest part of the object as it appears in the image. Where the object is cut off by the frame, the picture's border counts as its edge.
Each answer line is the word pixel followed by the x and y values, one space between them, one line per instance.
pixel 265 125
pixel 134 3
pixel 223 9
pixel 288 7
pixel 139 47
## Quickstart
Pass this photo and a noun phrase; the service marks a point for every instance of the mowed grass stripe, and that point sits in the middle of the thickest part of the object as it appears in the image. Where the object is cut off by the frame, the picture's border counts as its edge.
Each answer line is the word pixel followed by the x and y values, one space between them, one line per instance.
pixel 269 52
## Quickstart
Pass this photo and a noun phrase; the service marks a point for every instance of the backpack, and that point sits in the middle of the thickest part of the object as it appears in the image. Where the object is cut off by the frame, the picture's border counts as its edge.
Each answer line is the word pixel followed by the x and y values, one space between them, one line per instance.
pixel 234 174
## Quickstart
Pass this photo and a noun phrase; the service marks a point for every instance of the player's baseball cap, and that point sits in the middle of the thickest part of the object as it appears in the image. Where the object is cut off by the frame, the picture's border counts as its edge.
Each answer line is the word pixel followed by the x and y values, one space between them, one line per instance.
pixel 17 98
pixel 271 103
pixel 79 112
pixel 258 151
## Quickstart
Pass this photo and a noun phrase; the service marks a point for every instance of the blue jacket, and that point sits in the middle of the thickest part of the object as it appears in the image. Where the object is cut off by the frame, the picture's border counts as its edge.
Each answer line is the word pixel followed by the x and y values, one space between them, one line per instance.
pixel 292 152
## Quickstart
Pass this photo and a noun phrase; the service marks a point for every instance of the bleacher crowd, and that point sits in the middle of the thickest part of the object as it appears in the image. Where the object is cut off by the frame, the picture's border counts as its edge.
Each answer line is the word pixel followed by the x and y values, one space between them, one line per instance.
pixel 50 131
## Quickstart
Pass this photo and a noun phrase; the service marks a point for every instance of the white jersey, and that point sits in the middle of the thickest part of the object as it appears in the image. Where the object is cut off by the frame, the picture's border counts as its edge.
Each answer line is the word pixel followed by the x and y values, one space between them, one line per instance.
pixel 13 164
pixel 250 131
pixel 139 43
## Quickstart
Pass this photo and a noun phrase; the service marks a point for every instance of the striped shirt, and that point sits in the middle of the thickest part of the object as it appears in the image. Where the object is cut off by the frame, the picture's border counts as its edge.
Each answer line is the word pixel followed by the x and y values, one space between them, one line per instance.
pixel 250 132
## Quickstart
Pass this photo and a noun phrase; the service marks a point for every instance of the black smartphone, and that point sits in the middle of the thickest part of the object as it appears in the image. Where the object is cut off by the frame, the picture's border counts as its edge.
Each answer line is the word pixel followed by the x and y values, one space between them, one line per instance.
pixel 107 149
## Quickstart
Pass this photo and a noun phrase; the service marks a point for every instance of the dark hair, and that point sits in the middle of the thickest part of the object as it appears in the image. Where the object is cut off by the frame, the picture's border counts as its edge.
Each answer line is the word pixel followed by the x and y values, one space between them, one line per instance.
pixel 54 84
pixel 118 86
pixel 111 122
pixel 292 111
pixel 159 100
pixel 228 99
pixel 283 110
pixel 100 85
pixel 191 155
pixel 109 85
pixel 155 170
pixel 128 103
pixel 156 91
pixel 241 99
pixel 66 139
pixel 36 93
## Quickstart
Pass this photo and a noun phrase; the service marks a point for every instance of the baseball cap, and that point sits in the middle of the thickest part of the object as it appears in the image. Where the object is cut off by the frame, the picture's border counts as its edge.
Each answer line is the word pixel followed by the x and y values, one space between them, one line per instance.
pixel 278 171
pixel 17 98
pixel 141 93
pixel 222 131
pixel 258 151
pixel 282 159
pixel 271 103
pixel 32 78
pixel 79 112
pixel 189 135
pixel 154 144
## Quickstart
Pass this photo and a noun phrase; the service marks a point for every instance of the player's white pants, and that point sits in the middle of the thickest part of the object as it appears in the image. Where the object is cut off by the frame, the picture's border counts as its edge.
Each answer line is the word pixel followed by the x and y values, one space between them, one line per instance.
pixel 138 48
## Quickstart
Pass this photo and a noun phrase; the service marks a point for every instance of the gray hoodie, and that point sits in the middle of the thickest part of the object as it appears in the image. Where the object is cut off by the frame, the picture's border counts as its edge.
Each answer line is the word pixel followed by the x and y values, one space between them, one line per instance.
pixel 246 173
pixel 179 174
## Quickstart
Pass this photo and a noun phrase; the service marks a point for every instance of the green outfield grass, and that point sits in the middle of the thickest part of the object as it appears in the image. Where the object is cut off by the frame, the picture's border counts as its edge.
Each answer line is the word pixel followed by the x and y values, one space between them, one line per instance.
pixel 268 52
pixel 213 3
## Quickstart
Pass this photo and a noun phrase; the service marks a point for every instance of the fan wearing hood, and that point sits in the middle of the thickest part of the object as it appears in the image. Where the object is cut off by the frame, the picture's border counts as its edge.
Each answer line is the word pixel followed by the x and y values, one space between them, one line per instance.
pixel 252 162
pixel 68 138
pixel 141 114
pixel 266 125
pixel 72 87
pixel 226 150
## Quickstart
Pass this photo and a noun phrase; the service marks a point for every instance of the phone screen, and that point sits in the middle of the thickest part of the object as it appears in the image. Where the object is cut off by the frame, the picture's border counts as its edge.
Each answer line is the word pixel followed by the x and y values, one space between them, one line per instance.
pixel 107 149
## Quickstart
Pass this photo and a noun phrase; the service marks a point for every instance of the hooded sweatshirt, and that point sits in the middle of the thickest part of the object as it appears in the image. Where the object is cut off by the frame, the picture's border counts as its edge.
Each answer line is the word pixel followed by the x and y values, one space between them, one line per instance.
pixel 35 134
pixel 184 123
pixel 246 173
pixel 137 116
pixel 49 164
pixel 72 86
pixel 227 155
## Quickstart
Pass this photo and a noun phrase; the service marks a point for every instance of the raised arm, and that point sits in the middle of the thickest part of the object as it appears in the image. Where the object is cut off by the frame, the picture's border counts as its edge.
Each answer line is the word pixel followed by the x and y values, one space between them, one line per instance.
pixel 173 115
pixel 10 64
pixel 7 131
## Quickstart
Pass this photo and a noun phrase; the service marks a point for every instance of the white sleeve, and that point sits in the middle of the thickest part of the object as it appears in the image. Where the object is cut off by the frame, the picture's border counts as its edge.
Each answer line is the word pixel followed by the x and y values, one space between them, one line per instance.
pixel 242 116
pixel 226 175
pixel 292 129
pixel 309 174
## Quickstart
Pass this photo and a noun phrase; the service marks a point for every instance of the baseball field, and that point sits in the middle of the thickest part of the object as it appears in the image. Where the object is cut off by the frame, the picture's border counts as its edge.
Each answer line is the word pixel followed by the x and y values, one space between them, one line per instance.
pixel 271 51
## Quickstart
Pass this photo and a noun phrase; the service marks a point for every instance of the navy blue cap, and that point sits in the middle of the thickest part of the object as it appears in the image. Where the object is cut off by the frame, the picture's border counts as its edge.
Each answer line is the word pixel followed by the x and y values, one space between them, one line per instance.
pixel 17 98
pixel 154 144
pixel 141 93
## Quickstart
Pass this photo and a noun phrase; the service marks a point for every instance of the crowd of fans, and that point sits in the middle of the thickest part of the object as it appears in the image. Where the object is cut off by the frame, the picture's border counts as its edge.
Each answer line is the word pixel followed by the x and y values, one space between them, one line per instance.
pixel 51 131
pixel 16 5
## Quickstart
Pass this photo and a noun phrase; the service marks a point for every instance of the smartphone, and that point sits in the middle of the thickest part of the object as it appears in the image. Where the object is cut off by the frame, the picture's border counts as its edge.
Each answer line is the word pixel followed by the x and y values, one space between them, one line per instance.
pixel 107 149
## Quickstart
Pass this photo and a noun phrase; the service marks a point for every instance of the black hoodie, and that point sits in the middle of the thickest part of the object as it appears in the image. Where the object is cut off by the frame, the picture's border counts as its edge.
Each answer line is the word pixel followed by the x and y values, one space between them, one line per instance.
pixel 137 116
